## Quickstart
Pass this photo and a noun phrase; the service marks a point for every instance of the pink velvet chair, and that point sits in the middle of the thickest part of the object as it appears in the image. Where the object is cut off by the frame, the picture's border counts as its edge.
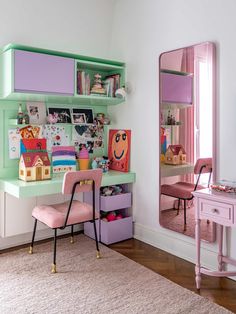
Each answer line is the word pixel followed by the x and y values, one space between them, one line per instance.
pixel 183 190
pixel 60 216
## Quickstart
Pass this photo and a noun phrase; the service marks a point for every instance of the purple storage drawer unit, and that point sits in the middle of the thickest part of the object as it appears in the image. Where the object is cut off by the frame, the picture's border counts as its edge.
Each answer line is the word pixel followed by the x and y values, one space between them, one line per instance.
pixel 109 203
pixel 42 73
pixel 176 88
pixel 117 230
pixel 89 229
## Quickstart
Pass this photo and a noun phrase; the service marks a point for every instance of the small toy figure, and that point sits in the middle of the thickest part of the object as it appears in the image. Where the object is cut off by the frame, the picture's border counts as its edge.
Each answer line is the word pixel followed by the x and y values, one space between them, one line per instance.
pixel 111 190
pixel 102 162
pixel 97 87
pixel 107 191
pixel 101 119
pixel 20 115
pixel 94 164
pixel 25 119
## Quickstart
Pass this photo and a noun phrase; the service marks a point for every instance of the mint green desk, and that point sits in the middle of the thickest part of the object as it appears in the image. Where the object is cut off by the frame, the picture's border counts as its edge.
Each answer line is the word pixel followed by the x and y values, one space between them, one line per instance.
pixel 21 189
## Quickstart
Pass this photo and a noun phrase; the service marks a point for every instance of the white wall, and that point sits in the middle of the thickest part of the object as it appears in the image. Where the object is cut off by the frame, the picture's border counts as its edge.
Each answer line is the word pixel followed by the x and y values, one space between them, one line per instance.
pixel 79 26
pixel 142 30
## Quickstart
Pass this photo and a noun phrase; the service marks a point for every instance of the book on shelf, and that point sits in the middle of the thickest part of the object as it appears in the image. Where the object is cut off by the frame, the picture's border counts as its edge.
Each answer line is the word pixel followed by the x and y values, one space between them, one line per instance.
pixel 83 83
pixel 224 186
pixel 112 83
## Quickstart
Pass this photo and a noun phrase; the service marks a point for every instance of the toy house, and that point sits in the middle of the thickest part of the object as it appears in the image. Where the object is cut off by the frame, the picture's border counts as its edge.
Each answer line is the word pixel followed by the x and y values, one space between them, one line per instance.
pixel 34 166
pixel 175 155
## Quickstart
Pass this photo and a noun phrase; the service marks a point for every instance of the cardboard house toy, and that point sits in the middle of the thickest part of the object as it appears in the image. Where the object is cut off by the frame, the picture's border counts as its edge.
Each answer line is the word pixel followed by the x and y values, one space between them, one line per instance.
pixel 34 166
pixel 175 155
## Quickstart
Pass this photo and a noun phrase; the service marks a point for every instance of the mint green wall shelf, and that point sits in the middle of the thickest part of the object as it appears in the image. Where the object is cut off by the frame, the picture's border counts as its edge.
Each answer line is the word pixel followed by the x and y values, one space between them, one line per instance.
pixel 21 189
pixel 90 64
pixel 82 100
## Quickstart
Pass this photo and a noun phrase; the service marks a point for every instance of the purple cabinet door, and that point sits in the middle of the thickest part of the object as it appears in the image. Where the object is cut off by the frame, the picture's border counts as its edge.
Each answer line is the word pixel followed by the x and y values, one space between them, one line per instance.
pixel 43 73
pixel 176 88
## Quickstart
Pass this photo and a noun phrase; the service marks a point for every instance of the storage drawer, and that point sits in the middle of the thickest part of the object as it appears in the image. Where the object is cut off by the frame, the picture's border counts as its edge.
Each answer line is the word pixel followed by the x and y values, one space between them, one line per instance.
pixel 109 203
pixel 218 212
pixel 117 230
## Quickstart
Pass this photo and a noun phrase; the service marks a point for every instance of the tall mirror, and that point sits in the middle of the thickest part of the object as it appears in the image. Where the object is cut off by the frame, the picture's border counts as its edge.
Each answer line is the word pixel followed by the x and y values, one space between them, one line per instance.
pixel 187 97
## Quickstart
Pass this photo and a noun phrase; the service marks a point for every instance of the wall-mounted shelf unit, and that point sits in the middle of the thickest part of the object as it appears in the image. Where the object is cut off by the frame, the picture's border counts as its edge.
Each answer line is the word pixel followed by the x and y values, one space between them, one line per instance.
pixel 35 74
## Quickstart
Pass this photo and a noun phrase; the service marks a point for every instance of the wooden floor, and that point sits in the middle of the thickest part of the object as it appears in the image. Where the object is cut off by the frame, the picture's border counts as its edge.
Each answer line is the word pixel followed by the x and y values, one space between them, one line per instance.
pixel 220 290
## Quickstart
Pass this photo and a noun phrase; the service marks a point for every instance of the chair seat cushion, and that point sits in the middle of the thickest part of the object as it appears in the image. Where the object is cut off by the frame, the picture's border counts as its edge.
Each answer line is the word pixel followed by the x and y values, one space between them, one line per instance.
pixel 54 215
pixel 181 190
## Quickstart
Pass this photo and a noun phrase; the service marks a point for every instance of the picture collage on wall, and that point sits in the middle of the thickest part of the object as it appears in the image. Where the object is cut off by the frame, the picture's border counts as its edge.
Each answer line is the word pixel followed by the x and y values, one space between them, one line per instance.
pixel 90 135
pixel 68 127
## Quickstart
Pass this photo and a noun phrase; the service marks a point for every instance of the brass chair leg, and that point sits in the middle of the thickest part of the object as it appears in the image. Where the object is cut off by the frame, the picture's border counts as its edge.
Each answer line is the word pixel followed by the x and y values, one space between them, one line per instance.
pixel 72 235
pixel 98 254
pixel 54 268
pixel 33 236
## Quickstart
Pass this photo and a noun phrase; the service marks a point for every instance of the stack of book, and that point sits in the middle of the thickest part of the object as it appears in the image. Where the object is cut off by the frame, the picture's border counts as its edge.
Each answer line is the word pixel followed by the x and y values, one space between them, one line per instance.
pixel 111 84
pixel 224 186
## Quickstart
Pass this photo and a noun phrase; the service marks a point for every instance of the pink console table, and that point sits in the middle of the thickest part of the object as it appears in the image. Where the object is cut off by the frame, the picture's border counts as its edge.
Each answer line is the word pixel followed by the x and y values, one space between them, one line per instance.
pixel 219 207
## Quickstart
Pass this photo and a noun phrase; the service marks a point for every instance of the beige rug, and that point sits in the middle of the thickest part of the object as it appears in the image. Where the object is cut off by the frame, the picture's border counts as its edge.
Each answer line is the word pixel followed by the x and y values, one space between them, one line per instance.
pixel 83 284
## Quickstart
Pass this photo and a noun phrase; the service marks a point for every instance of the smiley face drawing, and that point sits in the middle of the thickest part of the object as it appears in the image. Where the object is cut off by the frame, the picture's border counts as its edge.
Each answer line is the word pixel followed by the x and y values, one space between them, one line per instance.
pixel 120 145
pixel 119 149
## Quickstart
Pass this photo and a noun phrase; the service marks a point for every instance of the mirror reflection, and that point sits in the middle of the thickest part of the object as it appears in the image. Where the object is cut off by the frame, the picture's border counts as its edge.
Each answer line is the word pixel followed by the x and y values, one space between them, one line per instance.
pixel 186 134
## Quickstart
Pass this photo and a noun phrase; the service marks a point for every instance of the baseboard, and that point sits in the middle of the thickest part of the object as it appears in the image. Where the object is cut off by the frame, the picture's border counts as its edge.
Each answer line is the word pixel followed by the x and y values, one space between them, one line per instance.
pixel 177 244
pixel 21 239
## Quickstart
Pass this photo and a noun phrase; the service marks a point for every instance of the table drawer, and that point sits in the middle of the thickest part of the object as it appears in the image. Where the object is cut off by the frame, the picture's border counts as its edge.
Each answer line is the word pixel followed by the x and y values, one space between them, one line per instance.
pixel 216 211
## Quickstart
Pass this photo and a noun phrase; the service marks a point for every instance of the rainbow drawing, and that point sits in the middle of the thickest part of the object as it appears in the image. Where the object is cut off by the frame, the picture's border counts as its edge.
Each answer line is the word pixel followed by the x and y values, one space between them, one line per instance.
pixel 63 158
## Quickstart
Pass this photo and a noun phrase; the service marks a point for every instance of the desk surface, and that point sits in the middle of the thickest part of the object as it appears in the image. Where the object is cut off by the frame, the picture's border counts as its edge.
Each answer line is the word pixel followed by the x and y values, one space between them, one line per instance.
pixel 215 195
pixel 175 170
pixel 20 188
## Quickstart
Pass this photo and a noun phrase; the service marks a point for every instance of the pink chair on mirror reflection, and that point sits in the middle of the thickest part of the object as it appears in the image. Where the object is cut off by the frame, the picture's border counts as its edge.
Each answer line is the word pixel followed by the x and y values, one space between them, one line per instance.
pixel 183 190
pixel 60 216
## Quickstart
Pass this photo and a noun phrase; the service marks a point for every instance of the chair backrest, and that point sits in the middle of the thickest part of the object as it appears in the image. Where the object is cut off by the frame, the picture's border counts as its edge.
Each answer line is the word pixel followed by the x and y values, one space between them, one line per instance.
pixel 85 178
pixel 203 165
